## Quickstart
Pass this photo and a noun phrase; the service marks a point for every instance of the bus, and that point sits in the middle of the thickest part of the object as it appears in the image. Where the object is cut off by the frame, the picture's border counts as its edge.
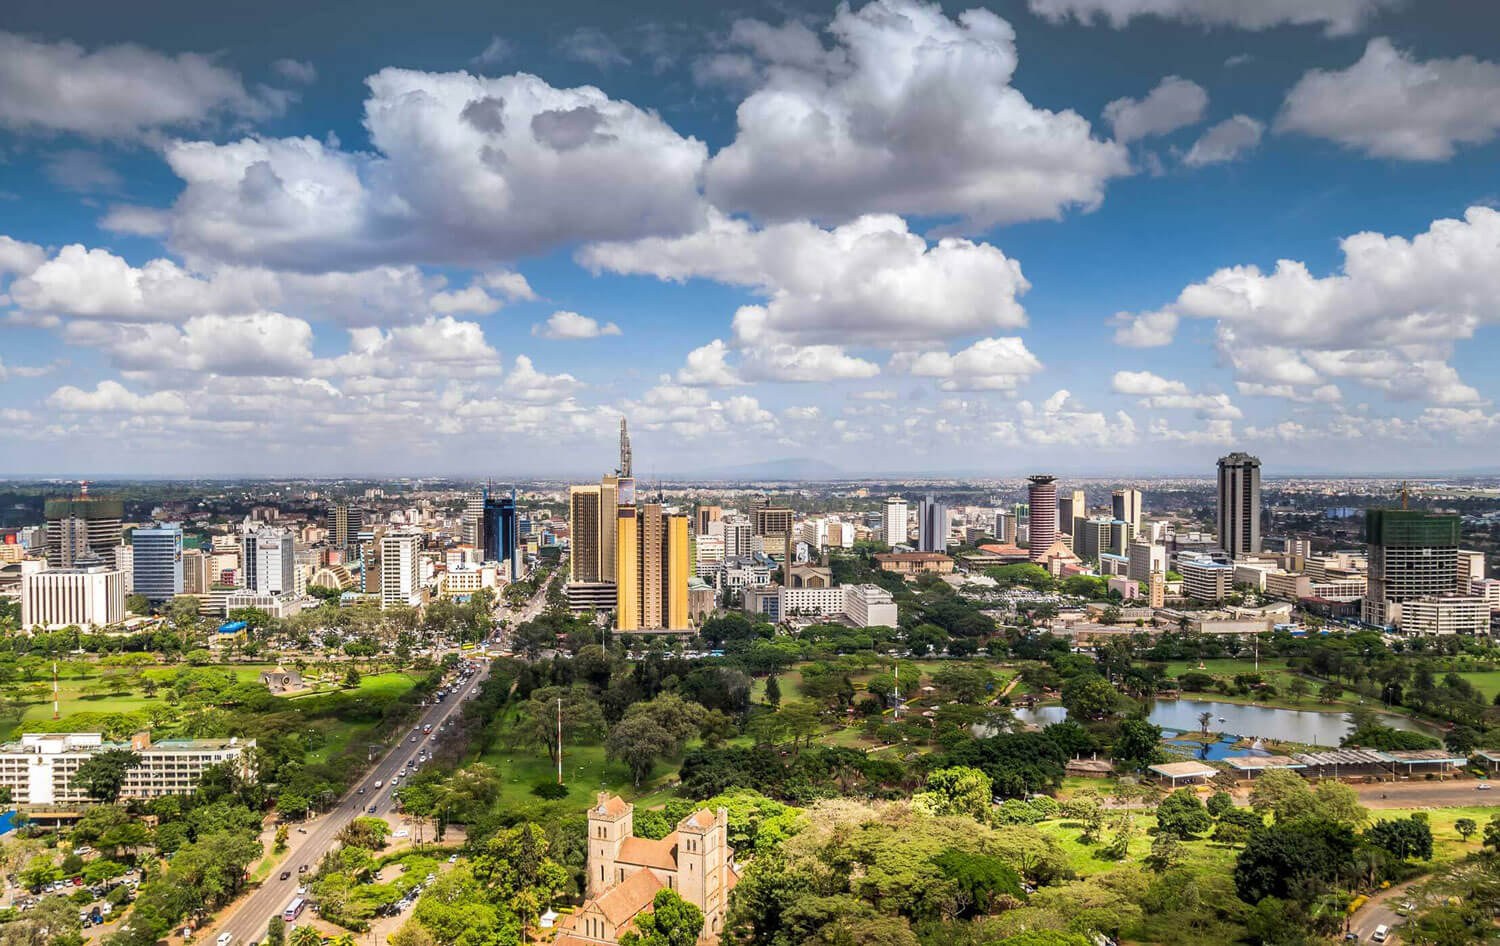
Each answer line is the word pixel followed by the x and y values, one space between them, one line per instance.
pixel 293 910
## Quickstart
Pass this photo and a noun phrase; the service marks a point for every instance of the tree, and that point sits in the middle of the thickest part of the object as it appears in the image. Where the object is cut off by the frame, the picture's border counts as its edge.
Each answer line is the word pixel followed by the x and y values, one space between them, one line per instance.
pixel 582 719
pixel 672 922
pixel 1466 828
pixel 351 677
pixel 1089 696
pixel 773 691
pixel 1404 837
pixel 1166 852
pixel 960 790
pixel 1181 814
pixel 138 604
pixel 1291 860
pixel 1138 745
pixel 1297 688
pixel 102 775
pixel 306 935
pixel 1204 719
pixel 275 931
pixel 653 730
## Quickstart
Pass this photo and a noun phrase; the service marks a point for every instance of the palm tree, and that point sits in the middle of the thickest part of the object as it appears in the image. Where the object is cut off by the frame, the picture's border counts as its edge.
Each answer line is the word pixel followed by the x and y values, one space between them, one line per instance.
pixel 1204 719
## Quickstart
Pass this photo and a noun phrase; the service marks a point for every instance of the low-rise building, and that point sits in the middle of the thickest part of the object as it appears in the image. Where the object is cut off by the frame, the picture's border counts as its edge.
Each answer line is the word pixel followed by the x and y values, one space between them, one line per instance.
pixel 1452 615
pixel 915 563
pixel 39 767
pixel 1206 580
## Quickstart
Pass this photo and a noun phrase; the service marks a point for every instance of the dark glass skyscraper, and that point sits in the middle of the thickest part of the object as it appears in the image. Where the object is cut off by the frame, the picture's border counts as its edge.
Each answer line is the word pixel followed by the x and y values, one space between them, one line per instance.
pixel 502 533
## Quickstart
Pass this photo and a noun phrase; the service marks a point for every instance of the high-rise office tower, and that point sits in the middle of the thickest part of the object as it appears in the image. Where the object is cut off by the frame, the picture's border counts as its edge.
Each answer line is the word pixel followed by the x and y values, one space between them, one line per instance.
pixel 739 538
pixel 1005 526
pixel 268 560
pixel 706 515
pixel 156 562
pixel 196 576
pixel 1412 555
pixel 1127 507
pixel 1239 505
pixel 471 525
pixel 773 524
pixel 502 535
pixel 82 526
pixel 652 570
pixel 932 526
pixel 400 569
pixel 895 521
pixel 1072 510
pixel 585 528
pixel 344 523
pixel 1042 505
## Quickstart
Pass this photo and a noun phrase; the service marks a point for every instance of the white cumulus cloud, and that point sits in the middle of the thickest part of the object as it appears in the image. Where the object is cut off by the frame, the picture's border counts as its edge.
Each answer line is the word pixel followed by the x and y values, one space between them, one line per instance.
pixel 1391 105
pixel 835 133
pixel 1174 103
pixel 563 324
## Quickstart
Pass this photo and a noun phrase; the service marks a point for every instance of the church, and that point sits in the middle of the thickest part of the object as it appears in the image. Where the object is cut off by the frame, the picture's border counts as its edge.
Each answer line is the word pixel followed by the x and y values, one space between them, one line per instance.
pixel 625 872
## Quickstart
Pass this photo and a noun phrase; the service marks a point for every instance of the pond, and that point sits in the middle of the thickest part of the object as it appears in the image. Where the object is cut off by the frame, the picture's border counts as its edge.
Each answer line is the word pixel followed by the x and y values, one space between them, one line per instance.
pixel 1181 716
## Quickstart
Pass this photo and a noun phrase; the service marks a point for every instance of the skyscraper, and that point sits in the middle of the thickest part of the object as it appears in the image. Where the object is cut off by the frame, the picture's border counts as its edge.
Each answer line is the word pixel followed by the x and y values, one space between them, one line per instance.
pixel 344 523
pixel 502 535
pixel 81 526
pixel 895 521
pixel 1239 505
pixel 1072 510
pixel 706 515
pixel 652 569
pixel 1412 555
pixel 400 569
pixel 932 526
pixel 1127 507
pixel 268 560
pixel 471 526
pixel 156 555
pixel 1042 503
pixel 585 526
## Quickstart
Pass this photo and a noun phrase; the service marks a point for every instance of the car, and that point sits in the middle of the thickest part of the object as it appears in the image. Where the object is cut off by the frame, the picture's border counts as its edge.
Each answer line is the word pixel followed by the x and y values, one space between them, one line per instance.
pixel 1483 786
pixel 379 783
pixel 361 790
pixel 372 809
pixel 302 869
pixel 286 875
pixel 1381 932
pixel 453 859
pixel 224 939
pixel 301 830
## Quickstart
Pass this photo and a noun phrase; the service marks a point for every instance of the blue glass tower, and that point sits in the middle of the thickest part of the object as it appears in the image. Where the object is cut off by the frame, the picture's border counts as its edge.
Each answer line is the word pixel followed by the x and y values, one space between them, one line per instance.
pixel 502 536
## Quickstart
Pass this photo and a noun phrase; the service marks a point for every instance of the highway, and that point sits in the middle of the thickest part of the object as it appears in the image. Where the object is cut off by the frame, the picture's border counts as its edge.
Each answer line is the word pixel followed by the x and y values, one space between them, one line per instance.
pixel 246 922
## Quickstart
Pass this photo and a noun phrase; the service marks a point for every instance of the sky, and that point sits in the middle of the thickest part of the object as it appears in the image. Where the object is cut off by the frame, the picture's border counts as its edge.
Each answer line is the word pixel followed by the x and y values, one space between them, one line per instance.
pixel 895 237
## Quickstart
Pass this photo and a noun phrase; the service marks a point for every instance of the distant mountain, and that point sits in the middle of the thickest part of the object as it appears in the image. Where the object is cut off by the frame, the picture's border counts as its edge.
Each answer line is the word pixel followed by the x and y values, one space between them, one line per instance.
pixel 790 468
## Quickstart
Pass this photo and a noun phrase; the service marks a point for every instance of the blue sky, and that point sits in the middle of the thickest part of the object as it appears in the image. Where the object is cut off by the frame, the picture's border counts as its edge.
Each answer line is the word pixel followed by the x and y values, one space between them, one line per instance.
pixel 1084 235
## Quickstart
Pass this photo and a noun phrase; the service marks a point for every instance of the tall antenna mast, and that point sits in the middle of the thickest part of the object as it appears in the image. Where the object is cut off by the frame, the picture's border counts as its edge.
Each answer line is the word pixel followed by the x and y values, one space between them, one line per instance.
pixel 624 450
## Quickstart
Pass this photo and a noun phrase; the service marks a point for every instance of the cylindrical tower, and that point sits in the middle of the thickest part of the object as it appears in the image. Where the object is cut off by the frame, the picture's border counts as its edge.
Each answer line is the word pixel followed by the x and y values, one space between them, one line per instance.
pixel 1043 501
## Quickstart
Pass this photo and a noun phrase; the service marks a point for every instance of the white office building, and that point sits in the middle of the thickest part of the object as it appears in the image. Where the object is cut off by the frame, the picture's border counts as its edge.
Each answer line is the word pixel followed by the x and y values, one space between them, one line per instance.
pixel 1206 580
pixel 89 594
pixel 895 521
pixel 400 569
pixel 869 606
pixel 1448 615
pixel 269 561
pixel 39 768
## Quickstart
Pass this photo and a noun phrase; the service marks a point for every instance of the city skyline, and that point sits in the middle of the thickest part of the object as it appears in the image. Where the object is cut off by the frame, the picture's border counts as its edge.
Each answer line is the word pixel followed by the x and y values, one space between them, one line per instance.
pixel 282 252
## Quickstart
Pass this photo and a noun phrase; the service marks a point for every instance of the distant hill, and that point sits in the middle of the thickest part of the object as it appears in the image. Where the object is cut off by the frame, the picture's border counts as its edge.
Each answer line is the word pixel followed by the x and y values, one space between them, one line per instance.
pixel 789 468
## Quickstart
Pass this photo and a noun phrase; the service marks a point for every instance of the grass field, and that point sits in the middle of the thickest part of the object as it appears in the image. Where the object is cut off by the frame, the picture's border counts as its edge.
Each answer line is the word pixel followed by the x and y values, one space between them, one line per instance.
pixel 1488 681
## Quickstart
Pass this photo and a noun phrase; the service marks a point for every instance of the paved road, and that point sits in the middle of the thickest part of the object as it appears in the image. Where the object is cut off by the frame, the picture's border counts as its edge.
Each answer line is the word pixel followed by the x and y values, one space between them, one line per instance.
pixel 247 921
pixel 1425 794
pixel 1380 910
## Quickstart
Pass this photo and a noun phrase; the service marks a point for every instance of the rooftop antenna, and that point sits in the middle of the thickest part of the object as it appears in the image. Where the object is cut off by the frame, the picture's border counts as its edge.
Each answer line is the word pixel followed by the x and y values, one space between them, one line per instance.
pixel 624 449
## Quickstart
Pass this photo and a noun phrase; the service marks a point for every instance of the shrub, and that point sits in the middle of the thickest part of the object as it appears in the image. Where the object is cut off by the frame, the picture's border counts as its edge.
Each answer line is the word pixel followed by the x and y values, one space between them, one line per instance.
pixel 549 790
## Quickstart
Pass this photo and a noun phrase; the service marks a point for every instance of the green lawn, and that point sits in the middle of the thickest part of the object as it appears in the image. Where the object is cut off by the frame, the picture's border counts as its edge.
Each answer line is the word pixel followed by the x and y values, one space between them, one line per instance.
pixel 1084 859
pixel 1488 681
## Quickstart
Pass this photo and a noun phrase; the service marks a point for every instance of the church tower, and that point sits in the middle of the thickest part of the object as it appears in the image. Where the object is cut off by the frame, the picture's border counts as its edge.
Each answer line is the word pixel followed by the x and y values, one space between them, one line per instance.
pixel 611 821
pixel 702 862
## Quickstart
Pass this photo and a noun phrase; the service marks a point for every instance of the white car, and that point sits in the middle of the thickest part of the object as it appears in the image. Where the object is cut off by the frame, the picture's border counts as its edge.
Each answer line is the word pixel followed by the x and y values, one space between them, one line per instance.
pixel 224 939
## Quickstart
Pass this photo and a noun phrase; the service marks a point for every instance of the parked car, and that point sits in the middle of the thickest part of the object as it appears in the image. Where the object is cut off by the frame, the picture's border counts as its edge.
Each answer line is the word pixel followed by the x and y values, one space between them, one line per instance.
pixel 286 874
